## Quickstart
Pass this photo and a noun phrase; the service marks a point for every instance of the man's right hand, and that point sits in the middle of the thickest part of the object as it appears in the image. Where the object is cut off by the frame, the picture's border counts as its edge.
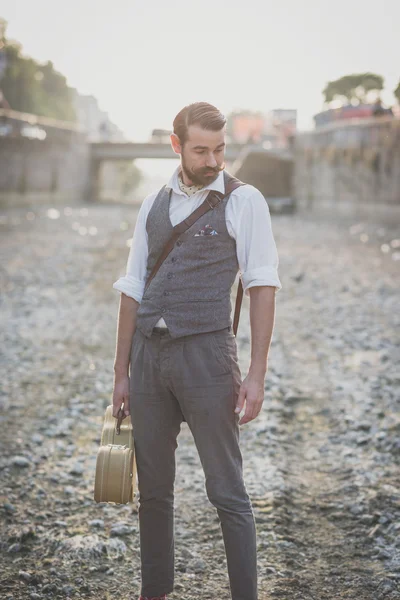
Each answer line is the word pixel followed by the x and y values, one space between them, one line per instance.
pixel 121 395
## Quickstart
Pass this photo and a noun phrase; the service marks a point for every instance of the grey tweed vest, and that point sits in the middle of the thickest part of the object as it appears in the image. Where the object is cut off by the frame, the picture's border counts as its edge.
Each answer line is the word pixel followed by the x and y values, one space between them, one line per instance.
pixel 192 287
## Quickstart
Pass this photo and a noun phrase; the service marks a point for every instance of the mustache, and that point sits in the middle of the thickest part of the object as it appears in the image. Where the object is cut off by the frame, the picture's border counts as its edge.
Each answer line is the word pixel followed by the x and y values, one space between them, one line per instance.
pixel 215 169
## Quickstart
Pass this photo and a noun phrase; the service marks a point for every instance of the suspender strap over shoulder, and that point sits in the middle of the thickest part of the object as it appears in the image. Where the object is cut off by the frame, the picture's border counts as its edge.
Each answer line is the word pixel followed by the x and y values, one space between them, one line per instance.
pixel 212 200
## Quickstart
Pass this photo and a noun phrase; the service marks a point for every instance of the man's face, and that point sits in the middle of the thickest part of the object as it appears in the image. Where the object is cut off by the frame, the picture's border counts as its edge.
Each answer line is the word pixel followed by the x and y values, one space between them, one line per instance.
pixel 203 154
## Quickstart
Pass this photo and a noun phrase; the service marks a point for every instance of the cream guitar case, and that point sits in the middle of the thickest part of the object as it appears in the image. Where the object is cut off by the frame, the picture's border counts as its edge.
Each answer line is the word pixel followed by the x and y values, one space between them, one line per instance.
pixel 115 476
pixel 116 431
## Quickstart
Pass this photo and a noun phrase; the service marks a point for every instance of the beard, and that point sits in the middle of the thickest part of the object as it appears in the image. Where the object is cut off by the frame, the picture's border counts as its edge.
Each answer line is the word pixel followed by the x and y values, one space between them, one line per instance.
pixel 199 177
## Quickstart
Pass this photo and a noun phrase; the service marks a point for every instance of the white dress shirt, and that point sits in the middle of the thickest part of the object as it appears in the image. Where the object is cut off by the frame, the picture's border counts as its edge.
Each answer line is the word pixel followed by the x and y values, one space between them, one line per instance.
pixel 248 221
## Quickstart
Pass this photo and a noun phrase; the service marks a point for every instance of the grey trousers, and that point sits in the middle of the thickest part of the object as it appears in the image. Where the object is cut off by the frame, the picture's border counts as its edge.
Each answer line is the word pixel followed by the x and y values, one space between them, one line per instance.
pixel 195 378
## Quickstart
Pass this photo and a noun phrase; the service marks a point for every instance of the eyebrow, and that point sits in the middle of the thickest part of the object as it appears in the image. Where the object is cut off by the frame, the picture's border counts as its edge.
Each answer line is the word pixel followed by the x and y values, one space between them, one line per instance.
pixel 206 147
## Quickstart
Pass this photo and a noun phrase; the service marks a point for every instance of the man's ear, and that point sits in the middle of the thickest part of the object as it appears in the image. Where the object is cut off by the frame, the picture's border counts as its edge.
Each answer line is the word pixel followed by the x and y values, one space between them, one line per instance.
pixel 175 143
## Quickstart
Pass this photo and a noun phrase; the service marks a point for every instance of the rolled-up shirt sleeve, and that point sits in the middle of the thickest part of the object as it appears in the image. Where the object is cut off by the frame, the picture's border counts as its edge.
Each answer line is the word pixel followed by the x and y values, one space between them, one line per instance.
pixel 133 282
pixel 255 245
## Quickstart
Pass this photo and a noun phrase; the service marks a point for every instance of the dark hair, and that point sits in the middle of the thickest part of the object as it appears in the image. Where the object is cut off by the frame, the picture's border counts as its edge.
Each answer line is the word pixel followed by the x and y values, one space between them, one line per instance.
pixel 199 113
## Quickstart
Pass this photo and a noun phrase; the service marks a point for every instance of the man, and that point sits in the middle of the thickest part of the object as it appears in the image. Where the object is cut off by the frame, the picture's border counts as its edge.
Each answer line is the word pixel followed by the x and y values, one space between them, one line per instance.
pixel 177 339
pixel 378 110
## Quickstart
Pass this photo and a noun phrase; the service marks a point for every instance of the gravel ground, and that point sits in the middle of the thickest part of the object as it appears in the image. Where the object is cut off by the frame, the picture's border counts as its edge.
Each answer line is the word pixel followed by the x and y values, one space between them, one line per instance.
pixel 321 461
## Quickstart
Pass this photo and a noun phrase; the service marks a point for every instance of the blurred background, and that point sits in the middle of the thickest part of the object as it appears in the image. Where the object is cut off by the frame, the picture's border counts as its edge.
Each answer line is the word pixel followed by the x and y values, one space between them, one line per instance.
pixel 103 82
pixel 311 91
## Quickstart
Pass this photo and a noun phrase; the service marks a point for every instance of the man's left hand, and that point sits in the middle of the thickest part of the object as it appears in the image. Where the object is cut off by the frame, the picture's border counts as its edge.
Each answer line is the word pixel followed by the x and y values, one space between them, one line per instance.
pixel 251 391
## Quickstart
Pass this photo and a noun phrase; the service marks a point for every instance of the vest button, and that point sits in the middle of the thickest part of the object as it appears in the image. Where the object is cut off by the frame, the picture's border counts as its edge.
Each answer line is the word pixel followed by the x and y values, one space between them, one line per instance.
pixel 179 243
pixel 173 259
pixel 163 310
pixel 166 293
pixel 170 275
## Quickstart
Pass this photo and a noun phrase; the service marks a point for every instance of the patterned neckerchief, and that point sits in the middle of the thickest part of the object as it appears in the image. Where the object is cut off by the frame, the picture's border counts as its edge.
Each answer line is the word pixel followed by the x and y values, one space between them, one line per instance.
pixel 188 189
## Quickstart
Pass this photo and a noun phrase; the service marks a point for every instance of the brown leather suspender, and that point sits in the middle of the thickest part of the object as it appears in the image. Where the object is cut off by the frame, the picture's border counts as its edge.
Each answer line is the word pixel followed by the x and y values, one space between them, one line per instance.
pixel 209 203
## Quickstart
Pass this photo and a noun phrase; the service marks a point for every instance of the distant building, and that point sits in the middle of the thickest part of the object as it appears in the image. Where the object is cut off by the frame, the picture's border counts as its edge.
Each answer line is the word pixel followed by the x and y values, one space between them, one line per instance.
pixel 161 136
pixel 281 126
pixel 95 121
pixel 100 128
pixel 348 111
pixel 247 127
pixel 271 130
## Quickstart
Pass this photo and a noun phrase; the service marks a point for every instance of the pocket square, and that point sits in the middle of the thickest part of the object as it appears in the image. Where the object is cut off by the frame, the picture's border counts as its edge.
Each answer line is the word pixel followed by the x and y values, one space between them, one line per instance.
pixel 206 230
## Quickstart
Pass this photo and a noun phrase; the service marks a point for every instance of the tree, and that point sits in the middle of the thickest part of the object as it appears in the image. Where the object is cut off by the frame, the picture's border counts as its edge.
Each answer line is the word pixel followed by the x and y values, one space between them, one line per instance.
pixel 57 97
pixel 397 93
pixel 35 88
pixel 353 88
pixel 131 177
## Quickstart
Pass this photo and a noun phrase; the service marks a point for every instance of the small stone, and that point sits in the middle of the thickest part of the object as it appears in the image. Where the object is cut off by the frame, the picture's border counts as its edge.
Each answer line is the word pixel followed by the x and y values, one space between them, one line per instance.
pixel 186 553
pixel 362 440
pixel 20 461
pixel 294 398
pixel 50 587
pixel 121 529
pixel 61 523
pixel 356 509
pixel 363 426
pixel 385 587
pixel 197 565
pixel 115 548
pixel 8 507
pixel 384 519
pixel 25 576
pixel 367 519
pixel 89 547
pixel 97 523
pixel 77 469
pixel 285 544
pixel 383 554
pixel 68 590
pixel 270 570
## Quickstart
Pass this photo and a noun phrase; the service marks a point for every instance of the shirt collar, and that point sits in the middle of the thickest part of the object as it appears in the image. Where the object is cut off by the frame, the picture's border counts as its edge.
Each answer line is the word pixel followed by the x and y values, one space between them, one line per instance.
pixel 218 185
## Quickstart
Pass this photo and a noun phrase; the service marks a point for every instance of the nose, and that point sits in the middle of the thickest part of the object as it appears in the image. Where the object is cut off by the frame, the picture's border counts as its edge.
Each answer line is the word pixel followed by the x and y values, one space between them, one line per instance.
pixel 211 162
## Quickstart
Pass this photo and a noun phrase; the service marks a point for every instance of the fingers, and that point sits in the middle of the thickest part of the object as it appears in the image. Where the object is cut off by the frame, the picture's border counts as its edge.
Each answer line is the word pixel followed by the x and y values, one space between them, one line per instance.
pixel 253 407
pixel 120 400
pixel 241 399
pixel 122 404
pixel 249 415
pixel 252 394
pixel 127 411
pixel 115 410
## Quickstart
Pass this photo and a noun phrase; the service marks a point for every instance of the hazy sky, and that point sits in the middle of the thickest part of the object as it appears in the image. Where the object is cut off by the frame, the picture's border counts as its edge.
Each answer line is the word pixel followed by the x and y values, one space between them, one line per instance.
pixel 145 60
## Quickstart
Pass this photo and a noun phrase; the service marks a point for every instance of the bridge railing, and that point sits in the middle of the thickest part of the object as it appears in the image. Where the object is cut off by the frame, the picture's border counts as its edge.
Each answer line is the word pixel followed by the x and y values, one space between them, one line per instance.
pixel 349 133
pixel 14 124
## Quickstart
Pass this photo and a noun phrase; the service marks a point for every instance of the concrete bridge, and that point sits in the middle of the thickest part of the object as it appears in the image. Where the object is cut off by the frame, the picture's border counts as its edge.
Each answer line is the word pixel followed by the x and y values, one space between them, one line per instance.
pixel 351 163
pixel 113 151
pixel 102 152
pixel 47 160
